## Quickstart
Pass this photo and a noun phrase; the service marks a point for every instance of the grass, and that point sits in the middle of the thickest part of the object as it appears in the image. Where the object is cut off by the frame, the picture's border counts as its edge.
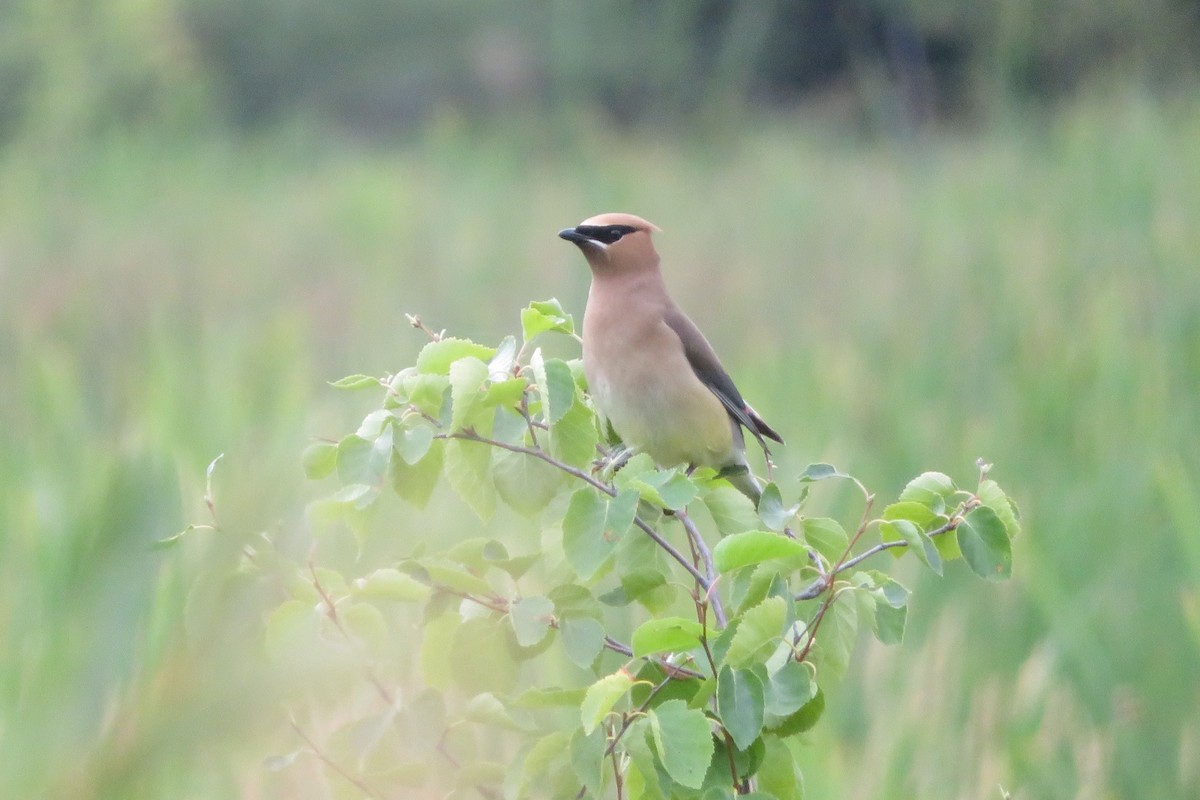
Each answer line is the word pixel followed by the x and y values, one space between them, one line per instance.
pixel 1027 294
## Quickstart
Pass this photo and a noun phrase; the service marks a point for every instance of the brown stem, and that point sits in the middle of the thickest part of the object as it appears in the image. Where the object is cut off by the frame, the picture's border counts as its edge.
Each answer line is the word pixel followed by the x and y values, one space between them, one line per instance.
pixel 358 783
pixel 641 524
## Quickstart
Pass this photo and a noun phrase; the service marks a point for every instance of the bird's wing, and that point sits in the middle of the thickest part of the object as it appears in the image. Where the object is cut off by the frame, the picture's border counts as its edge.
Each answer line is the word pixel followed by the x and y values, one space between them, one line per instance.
pixel 708 369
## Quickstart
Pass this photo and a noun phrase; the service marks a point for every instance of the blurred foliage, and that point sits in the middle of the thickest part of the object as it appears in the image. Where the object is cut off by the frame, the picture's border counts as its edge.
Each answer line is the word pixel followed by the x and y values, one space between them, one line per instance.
pixel 374 66
pixel 520 640
pixel 170 290
pixel 1027 292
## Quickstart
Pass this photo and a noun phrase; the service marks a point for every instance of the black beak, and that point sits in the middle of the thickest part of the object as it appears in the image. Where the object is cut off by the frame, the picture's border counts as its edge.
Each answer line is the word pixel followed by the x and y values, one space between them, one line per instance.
pixel 573 236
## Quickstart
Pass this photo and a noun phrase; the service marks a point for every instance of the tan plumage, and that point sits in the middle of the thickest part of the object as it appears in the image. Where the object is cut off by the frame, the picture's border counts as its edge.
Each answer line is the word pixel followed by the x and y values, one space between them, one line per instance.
pixel 651 373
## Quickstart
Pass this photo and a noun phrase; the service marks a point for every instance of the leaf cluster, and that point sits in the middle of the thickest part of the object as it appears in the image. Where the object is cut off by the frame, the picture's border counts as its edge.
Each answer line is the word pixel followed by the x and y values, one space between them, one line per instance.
pixel 666 639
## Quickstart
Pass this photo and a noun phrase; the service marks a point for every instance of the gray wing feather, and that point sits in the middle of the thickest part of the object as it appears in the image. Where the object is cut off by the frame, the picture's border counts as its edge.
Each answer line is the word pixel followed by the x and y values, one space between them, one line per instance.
pixel 708 369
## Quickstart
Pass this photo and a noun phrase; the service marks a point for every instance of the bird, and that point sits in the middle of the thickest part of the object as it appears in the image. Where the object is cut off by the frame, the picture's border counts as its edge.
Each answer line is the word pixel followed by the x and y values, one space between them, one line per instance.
pixel 652 375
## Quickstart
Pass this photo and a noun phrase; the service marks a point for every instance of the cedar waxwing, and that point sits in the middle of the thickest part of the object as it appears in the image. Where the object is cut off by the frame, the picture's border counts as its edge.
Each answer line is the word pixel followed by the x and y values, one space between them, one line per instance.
pixel 652 374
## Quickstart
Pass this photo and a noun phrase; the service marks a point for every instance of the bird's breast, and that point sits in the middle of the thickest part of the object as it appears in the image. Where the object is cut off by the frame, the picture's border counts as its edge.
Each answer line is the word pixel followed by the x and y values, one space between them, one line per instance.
pixel 642 383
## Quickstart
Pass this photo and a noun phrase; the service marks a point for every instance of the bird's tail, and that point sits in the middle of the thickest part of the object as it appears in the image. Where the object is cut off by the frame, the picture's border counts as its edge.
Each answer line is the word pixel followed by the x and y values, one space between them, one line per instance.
pixel 743 480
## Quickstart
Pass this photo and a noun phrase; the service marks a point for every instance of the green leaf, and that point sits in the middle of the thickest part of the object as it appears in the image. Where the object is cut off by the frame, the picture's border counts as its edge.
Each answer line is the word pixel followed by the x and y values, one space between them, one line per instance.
pixel 653 688
pixel 772 511
pixel 752 586
pixel 525 483
pixel 477 553
pixel 500 368
pixel 450 575
pixel 518 565
pixel 531 618
pixel 363 461
pixel 820 472
pixel 601 697
pixel 668 488
pixel 541 764
pixel 483 656
pixel 291 628
pixel 919 514
pixel 469 471
pixel 415 483
pixel 740 702
pixel 545 315
pixel 436 650
pixel 389 583
pixel 757 632
pixel 839 629
pixel 891 612
pixel 352 382
pixel 573 600
pixel 467 375
pixel 827 537
pixel 347 505
pixel 505 393
pixel 375 423
pixel 683 739
pixel 947 545
pixel 647 780
pixel 583 638
pixel 436 357
pixel 985 546
pixel 778 774
pixel 618 519
pixel 412 442
pixel 918 541
pixel 319 460
pixel 800 721
pixel 555 384
pixel 364 623
pixel 674 488
pixel 584 543
pixel 731 510
pixel 994 498
pixel 718 780
pixel 754 547
pixel 929 489
pixel 573 438
pixel 587 759
pixel 790 688
pixel 428 393
pixel 510 427
pixel 661 634
pixel 487 709
pixel 638 583
pixel 551 697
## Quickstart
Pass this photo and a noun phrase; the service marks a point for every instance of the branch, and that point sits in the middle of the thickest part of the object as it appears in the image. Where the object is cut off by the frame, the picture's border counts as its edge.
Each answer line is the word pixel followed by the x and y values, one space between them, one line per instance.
pixel 575 472
pixel 337 623
pixel 626 721
pixel 416 322
pixel 503 606
pixel 711 595
pixel 824 582
pixel 358 784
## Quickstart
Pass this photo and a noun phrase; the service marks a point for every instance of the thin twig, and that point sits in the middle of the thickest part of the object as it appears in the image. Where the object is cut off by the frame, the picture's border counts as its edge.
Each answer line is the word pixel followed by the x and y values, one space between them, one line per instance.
pixel 416 322
pixel 358 783
pixel 711 594
pixel 627 721
pixel 825 581
pixel 337 623
pixel 620 783
pixel 646 528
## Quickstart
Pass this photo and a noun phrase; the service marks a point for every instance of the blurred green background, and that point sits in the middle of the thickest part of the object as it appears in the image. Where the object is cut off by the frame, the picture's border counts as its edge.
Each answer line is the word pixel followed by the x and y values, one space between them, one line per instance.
pixel 917 232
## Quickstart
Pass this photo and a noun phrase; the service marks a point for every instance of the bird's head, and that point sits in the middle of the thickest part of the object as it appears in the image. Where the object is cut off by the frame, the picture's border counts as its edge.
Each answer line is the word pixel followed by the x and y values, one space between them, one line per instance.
pixel 614 242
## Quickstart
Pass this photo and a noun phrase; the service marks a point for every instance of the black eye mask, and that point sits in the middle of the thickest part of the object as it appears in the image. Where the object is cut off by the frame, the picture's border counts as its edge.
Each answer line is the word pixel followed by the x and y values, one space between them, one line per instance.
pixel 605 234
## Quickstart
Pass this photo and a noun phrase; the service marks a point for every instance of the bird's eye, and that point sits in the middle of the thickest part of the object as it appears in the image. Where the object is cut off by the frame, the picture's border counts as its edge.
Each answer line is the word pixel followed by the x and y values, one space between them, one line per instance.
pixel 614 235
